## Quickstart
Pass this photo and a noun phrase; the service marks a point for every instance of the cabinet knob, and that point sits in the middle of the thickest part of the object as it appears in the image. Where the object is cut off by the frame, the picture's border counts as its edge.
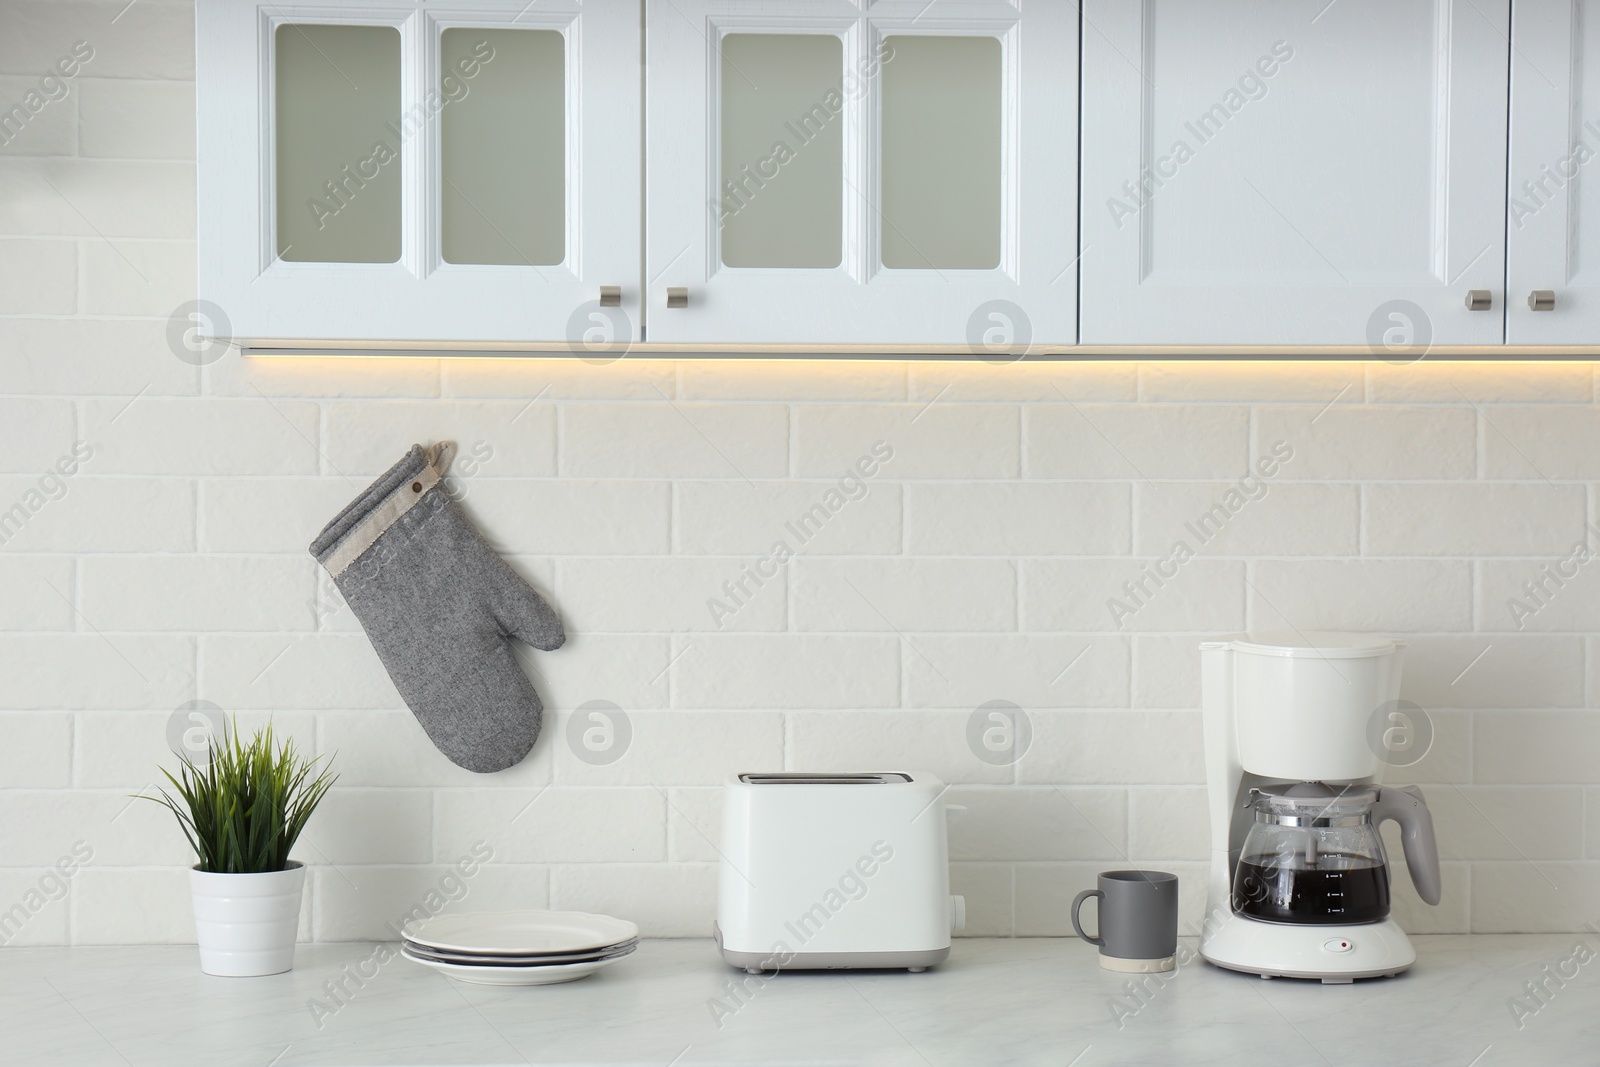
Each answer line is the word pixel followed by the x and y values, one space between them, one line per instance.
pixel 1542 300
pixel 677 297
pixel 1479 300
pixel 610 296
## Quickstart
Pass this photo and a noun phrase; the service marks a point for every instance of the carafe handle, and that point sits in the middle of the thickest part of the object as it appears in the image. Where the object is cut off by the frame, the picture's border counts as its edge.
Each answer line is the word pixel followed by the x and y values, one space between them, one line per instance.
pixel 1404 804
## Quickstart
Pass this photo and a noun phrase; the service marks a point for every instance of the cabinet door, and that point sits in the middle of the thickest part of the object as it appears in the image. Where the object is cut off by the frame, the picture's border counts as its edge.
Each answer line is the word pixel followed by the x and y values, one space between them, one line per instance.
pixel 821 174
pixel 441 170
pixel 1264 172
pixel 1553 216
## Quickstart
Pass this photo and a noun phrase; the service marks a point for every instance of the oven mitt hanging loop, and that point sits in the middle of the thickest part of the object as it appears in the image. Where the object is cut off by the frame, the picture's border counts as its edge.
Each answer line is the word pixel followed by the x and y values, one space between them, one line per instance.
pixel 440 607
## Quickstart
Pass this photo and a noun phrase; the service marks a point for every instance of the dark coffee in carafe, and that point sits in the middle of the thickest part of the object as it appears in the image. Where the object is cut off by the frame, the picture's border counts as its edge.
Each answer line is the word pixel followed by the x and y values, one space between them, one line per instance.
pixel 1329 896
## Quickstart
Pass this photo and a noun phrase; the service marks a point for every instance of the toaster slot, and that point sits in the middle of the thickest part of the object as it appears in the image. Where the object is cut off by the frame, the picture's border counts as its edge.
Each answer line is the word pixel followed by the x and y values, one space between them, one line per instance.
pixel 890 778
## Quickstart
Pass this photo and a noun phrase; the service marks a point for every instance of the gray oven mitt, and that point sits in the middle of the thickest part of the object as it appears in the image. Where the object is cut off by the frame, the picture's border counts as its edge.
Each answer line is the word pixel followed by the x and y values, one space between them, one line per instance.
pixel 439 606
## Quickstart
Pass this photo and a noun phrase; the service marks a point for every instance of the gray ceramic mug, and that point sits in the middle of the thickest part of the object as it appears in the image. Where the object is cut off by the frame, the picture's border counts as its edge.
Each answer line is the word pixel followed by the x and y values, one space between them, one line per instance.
pixel 1138 920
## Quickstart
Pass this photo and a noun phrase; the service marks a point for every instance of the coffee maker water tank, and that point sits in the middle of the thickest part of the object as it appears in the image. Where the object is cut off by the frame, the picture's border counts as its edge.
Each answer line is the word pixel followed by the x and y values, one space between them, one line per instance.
pixel 1304 702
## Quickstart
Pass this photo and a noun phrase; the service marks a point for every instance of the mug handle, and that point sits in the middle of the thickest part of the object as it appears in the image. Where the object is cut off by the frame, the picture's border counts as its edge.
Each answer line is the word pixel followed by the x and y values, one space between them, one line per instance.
pixel 1077 905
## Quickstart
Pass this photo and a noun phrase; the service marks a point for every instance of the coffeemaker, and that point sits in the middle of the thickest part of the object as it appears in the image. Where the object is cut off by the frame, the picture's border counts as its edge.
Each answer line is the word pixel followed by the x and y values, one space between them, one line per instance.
pixel 1299 882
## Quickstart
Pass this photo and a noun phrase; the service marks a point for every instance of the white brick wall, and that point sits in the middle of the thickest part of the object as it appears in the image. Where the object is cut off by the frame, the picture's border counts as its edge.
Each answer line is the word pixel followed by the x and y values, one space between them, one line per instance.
pixel 978 566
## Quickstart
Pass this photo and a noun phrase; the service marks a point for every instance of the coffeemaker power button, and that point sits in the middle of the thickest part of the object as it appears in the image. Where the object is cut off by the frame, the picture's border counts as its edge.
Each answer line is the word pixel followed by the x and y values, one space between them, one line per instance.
pixel 1338 944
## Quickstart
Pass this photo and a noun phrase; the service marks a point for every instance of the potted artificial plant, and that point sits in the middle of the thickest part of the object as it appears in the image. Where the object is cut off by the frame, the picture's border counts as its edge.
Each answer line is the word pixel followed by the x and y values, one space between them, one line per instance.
pixel 242 812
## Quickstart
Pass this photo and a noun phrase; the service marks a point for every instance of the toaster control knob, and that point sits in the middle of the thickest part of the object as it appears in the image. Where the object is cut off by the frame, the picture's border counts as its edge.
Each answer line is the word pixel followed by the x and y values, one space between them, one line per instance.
pixel 958 915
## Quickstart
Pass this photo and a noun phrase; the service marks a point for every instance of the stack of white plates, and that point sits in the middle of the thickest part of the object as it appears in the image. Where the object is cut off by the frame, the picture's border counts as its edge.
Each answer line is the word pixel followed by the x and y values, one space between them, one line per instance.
pixel 518 947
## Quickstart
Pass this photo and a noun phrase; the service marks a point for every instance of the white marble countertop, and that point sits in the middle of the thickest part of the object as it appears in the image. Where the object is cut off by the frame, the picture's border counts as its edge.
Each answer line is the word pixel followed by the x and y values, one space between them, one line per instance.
pixel 1042 1001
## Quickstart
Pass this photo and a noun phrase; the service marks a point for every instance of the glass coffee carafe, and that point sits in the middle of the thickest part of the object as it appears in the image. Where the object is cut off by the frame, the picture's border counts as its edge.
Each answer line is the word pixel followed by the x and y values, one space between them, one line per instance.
pixel 1313 856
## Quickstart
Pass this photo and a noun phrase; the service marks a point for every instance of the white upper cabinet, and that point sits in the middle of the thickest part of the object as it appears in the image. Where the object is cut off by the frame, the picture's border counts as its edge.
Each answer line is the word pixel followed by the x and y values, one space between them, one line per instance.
pixel 826 172
pixel 1266 172
pixel 1553 217
pixel 433 171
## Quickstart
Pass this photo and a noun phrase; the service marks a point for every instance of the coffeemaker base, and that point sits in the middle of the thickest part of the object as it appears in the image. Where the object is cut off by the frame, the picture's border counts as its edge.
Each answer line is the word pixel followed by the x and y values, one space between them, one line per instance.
pixel 1332 954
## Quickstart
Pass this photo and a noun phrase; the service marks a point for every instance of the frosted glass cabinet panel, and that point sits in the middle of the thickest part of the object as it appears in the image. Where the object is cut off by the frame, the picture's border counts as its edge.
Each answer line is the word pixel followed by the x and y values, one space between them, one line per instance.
pixel 503 155
pixel 832 173
pixel 336 98
pixel 781 209
pixel 1268 172
pixel 1553 213
pixel 440 171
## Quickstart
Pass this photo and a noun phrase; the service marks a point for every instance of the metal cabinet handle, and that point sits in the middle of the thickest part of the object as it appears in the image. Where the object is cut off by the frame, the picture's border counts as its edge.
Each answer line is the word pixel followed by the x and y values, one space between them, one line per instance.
pixel 677 297
pixel 610 296
pixel 1479 300
pixel 1542 300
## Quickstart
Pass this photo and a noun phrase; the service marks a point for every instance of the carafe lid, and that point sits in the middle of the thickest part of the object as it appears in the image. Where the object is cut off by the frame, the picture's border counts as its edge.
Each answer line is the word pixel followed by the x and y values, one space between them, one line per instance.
pixel 1315 644
pixel 1315 799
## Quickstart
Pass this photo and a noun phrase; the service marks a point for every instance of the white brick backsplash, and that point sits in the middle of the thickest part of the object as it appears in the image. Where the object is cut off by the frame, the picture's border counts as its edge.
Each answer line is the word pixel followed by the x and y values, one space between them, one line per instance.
pixel 101 199
pixel 389 748
pixel 1094 595
pixel 41 828
pixel 1488 383
pixel 1269 380
pixel 37 753
pixel 932 741
pixel 110 357
pixel 371 826
pixel 151 435
pixel 52 130
pixel 1046 380
pixel 1166 672
pixel 629 670
pixel 1168 822
pixel 817 517
pixel 786 671
pixel 294 671
pixel 135 119
pixel 1254 518
pixel 694 823
pixel 1451 915
pixel 1154 747
pixel 38 433
pixel 905 595
pixel 1023 519
pixel 669 439
pixel 157 42
pixel 679 900
pixel 561 517
pixel 506 440
pixel 1534 898
pixel 1554 602
pixel 668 594
pixel 498 378
pixel 1037 823
pixel 372 903
pixel 91 670
pixel 664 748
pixel 38 593
pixel 557 824
pixel 132 907
pixel 270 515
pixel 931 440
pixel 37 277
pixel 1349 442
pixel 1536 747
pixel 1361 595
pixel 1033 671
pixel 1484 822
pixel 1473 519
pixel 843 379
pixel 102 514
pixel 986 888
pixel 1494 671
pixel 1537 443
pixel 136 277
pixel 37 923
pixel 124 750
pixel 196 593
pixel 1126 441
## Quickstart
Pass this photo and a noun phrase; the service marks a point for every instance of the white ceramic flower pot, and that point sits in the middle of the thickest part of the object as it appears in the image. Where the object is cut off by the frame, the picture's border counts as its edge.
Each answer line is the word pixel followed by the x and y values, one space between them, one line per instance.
pixel 246 923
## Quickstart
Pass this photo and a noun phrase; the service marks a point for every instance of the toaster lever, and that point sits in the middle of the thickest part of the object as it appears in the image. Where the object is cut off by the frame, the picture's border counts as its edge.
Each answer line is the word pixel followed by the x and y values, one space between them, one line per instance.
pixel 958 915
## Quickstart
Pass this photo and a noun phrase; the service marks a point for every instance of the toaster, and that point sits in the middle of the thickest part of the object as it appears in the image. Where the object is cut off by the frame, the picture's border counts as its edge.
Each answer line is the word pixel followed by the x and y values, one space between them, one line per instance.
pixel 833 871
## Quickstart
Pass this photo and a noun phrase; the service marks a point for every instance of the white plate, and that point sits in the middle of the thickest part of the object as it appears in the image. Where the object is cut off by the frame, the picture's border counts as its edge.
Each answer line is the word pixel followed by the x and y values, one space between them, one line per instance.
pixel 546 974
pixel 520 933
pixel 439 955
